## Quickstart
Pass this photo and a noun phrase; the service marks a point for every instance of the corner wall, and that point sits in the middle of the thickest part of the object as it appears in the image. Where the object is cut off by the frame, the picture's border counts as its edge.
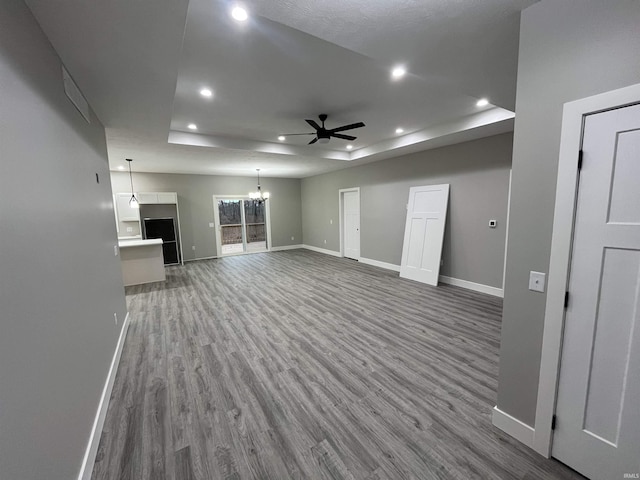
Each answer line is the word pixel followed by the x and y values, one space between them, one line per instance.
pixel 569 49
pixel 478 172
pixel 195 202
pixel 60 283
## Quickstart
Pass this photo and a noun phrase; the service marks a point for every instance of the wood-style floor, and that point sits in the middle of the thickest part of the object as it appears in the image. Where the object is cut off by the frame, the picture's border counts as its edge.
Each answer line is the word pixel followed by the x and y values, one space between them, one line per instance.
pixel 305 366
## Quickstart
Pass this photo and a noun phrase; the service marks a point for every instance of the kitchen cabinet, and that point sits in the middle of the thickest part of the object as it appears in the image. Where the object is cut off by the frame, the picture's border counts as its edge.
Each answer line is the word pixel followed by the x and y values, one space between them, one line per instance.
pixel 146 198
pixel 125 212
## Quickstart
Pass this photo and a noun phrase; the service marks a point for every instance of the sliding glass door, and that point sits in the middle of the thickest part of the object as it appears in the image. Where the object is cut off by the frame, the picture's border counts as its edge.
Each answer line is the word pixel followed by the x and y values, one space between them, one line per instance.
pixel 255 226
pixel 241 225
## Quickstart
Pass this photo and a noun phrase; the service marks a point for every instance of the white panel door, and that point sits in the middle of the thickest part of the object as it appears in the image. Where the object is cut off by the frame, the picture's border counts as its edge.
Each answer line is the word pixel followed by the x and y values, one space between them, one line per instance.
pixel 351 228
pixel 424 233
pixel 598 410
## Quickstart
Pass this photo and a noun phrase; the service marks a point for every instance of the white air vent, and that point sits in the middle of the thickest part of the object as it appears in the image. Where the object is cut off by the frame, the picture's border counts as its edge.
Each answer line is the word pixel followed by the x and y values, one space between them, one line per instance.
pixel 75 95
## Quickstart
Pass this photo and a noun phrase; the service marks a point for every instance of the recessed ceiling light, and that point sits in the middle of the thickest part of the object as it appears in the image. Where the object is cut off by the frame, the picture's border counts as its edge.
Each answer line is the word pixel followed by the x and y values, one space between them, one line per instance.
pixel 399 130
pixel 192 126
pixel 282 138
pixel 205 92
pixel 483 102
pixel 349 147
pixel 120 167
pixel 398 72
pixel 239 14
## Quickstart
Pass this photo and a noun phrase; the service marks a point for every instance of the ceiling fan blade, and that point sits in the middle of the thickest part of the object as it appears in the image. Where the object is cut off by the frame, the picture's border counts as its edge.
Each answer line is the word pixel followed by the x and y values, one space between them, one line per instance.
pixel 346 127
pixel 344 137
pixel 313 141
pixel 292 134
pixel 314 124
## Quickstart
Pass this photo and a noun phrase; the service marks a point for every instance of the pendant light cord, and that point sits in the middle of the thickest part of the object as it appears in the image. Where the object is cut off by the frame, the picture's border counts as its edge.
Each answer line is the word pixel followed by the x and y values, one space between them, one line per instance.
pixel 130 175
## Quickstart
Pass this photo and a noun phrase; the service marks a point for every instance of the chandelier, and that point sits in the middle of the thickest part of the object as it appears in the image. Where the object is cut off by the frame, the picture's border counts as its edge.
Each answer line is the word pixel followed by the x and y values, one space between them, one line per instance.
pixel 260 196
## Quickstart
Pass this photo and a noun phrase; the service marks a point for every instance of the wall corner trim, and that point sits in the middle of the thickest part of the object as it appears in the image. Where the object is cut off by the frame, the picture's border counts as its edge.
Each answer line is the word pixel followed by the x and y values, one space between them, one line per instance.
pixel 477 287
pixel 512 426
pixel 86 469
pixel 377 263
pixel 322 250
pixel 286 247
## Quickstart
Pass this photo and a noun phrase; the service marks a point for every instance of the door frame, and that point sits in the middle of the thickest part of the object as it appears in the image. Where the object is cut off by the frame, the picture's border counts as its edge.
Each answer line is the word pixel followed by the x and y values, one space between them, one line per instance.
pixel 216 223
pixel 573 117
pixel 341 193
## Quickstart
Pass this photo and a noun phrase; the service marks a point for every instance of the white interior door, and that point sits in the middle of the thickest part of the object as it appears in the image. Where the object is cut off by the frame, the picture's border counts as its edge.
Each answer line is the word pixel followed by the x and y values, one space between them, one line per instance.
pixel 598 409
pixel 351 227
pixel 424 233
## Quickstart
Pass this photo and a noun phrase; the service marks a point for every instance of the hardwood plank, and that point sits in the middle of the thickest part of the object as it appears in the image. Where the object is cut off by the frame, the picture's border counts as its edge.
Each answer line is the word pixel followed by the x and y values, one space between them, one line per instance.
pixel 297 365
pixel 184 469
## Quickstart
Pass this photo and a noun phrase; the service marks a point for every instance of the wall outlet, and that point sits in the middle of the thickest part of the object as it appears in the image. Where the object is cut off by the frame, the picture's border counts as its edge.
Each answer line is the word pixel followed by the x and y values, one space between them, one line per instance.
pixel 115 250
pixel 493 223
pixel 293 238
pixel 193 247
pixel 537 281
pixel 441 262
pixel 129 229
pixel 115 317
pixel 211 225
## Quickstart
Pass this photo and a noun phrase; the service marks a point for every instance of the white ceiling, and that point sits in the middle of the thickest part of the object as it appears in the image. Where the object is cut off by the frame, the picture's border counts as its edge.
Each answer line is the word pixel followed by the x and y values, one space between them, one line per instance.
pixel 142 63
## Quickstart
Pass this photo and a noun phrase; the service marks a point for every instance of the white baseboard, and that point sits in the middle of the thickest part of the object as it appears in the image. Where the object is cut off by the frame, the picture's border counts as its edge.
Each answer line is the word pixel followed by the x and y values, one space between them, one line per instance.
pixel 514 427
pixel 94 439
pixel 198 259
pixel 477 287
pixel 286 247
pixel 377 263
pixel 322 250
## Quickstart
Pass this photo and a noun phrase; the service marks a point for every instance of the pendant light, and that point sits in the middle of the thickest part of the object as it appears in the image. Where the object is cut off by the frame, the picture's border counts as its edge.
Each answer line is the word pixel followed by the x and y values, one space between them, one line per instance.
pixel 259 195
pixel 133 201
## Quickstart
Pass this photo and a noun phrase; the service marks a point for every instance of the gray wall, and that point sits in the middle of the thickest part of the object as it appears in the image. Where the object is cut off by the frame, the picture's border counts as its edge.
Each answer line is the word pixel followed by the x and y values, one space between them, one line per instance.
pixel 195 201
pixel 569 49
pixel 60 283
pixel 478 172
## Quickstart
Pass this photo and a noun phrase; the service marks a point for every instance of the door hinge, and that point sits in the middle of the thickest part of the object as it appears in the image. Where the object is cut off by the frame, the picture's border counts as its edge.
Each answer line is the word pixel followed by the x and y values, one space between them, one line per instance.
pixel 553 422
pixel 580 155
pixel 566 299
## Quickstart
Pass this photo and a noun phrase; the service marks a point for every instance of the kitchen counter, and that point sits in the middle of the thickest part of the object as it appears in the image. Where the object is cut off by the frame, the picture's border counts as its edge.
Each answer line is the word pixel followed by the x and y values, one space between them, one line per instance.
pixel 126 243
pixel 142 261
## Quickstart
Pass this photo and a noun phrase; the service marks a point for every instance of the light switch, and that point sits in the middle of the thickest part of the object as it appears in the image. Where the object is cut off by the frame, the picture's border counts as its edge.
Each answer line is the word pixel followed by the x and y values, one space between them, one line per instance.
pixel 210 224
pixel 536 281
pixel 115 250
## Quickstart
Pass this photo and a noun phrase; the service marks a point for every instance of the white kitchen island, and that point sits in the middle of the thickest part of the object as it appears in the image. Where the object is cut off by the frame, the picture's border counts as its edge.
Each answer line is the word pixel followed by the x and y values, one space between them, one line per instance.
pixel 142 261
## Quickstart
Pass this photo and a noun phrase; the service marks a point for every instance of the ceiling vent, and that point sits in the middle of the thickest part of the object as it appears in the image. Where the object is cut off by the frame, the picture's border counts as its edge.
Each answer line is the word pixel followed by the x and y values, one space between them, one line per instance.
pixel 75 95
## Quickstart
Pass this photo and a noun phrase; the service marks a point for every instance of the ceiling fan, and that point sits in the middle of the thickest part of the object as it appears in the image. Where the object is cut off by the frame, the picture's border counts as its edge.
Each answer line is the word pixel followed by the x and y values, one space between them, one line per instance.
pixel 323 134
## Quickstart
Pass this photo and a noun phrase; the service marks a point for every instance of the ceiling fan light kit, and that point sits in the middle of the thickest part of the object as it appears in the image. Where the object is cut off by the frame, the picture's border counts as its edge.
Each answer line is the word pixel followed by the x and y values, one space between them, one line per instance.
pixel 323 134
